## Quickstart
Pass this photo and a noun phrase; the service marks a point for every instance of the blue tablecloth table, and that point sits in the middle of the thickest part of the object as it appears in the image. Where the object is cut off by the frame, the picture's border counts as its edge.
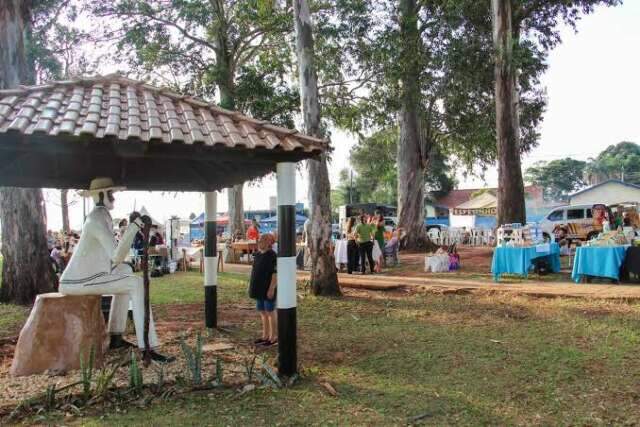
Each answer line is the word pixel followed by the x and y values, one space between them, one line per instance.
pixel 600 261
pixel 519 260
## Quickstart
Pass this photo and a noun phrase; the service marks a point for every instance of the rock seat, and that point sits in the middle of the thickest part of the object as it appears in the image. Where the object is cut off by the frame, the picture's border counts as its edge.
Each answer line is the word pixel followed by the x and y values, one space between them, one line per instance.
pixel 58 331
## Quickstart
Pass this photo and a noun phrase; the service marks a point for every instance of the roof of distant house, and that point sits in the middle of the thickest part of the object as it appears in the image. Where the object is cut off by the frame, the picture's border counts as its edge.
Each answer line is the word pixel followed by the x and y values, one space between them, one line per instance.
pixel 457 197
pixel 609 181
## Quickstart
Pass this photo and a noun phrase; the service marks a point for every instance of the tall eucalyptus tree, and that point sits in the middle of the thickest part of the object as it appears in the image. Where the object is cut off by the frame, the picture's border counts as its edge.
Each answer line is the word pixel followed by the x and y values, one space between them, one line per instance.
pixel 324 278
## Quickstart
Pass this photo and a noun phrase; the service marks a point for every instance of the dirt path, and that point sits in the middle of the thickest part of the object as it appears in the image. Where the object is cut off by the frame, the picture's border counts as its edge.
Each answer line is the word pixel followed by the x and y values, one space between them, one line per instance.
pixel 454 285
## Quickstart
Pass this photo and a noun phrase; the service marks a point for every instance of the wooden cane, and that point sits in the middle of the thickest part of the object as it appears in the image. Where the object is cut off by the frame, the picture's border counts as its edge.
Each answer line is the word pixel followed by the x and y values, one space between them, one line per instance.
pixel 145 278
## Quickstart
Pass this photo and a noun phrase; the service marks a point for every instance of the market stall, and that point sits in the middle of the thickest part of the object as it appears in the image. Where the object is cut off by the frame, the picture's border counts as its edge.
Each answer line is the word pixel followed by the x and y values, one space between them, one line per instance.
pixel 595 261
pixel 601 257
pixel 520 259
pixel 519 248
pixel 241 248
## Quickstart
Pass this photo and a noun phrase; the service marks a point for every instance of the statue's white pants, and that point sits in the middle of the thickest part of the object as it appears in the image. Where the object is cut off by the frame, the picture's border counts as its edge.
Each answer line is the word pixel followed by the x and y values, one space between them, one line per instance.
pixel 125 288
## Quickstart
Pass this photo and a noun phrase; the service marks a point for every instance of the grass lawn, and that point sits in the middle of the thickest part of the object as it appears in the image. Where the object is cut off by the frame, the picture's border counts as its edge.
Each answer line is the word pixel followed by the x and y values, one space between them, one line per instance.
pixel 446 359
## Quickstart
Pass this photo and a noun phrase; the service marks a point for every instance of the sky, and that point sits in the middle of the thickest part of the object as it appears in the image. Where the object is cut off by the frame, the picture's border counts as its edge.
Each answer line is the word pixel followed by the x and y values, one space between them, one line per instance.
pixel 593 91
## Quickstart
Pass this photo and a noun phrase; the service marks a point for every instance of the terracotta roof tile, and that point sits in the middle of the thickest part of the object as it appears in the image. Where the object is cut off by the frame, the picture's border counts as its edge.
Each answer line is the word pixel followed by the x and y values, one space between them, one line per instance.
pixel 117 107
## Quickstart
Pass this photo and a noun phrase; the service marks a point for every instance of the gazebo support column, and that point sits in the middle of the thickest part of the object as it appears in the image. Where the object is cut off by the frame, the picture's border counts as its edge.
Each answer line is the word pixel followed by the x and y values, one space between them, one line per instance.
pixel 210 260
pixel 286 295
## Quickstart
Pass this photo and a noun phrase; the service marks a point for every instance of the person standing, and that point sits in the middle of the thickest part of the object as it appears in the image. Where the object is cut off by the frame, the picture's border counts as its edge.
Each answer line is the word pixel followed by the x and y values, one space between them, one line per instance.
pixel 352 246
pixel 378 224
pixel 262 288
pixel 253 232
pixel 364 237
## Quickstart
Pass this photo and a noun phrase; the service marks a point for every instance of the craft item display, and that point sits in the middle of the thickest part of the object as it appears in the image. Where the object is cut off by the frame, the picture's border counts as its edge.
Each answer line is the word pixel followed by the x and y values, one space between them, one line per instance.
pixel 516 235
pixel 610 238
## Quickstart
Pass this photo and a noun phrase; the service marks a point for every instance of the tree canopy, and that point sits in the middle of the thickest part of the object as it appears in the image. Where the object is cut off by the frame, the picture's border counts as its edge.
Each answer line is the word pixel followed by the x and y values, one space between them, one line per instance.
pixel 558 178
pixel 374 162
pixel 620 161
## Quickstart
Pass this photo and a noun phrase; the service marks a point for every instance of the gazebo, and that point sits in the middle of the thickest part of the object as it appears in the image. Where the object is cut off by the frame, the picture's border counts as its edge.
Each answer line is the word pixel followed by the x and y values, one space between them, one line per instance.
pixel 64 133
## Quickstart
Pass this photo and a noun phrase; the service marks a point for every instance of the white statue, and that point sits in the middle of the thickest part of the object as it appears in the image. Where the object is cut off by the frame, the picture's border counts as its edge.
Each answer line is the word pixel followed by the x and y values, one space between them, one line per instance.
pixel 96 268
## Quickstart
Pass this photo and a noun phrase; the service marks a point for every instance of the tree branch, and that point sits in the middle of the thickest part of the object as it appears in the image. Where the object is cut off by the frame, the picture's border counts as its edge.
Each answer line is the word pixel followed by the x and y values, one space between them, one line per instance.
pixel 167 22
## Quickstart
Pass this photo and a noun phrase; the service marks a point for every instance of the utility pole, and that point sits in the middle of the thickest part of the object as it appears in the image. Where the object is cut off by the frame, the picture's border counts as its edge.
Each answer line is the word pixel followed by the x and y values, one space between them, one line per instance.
pixel 351 187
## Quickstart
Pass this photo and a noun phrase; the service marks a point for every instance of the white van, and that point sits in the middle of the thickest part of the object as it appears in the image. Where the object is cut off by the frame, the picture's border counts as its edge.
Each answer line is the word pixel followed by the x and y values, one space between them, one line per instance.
pixel 578 220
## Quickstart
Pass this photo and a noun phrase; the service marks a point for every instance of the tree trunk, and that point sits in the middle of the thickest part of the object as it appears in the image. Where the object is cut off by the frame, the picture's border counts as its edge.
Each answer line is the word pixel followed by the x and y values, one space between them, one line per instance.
pixel 26 270
pixel 225 75
pixel 411 159
pixel 511 205
pixel 236 211
pixel 64 204
pixel 324 278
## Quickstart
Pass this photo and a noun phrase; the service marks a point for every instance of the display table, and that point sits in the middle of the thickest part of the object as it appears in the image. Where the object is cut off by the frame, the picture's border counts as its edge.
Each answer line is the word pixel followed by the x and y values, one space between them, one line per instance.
pixel 598 261
pixel 519 260
pixel 243 247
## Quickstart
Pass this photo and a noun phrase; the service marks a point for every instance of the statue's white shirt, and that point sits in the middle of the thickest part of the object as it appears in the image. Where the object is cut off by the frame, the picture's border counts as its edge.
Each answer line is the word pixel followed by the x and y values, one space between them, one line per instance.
pixel 92 256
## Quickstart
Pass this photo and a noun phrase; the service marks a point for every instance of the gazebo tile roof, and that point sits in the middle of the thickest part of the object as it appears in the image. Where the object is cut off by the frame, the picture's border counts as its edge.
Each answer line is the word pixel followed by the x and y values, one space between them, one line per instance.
pixel 115 106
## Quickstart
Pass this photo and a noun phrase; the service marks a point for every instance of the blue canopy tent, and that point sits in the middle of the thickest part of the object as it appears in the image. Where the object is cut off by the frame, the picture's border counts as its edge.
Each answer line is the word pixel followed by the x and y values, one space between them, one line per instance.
pixel 269 224
pixel 196 228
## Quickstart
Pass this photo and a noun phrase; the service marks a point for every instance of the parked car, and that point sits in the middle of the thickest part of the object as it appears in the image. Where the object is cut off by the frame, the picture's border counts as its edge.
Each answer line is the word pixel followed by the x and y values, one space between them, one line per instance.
pixel 576 220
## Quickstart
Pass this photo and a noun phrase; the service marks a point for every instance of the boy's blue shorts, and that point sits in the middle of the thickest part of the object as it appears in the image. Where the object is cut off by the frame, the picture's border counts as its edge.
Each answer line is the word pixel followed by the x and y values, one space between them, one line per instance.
pixel 265 305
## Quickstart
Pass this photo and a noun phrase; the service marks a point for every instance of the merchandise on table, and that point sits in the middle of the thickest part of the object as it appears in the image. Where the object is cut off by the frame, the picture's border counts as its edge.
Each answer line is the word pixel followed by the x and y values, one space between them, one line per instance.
pixel 611 238
pixel 516 235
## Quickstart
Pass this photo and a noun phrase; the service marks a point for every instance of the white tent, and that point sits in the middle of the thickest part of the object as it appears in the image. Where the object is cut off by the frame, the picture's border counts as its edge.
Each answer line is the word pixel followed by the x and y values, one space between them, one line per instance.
pixel 144 211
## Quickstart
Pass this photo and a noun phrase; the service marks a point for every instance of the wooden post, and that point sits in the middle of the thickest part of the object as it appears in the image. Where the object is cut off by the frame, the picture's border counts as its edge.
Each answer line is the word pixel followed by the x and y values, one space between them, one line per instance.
pixel 286 295
pixel 210 260
pixel 145 281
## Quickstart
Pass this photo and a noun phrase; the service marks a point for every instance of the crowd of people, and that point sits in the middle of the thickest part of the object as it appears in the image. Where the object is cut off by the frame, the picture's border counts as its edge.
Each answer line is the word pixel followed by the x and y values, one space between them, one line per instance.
pixel 61 244
pixel 369 241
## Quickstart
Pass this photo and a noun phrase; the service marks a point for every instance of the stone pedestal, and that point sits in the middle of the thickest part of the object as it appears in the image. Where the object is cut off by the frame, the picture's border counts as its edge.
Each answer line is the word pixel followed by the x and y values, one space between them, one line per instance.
pixel 59 330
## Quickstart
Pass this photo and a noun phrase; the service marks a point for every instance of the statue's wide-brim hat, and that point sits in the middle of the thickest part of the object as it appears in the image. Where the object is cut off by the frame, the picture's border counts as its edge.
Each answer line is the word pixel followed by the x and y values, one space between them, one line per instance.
pixel 100 184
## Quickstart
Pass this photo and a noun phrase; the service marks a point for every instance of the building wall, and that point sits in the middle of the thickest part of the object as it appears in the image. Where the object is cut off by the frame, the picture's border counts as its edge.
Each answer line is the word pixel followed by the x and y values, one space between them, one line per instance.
pixel 609 193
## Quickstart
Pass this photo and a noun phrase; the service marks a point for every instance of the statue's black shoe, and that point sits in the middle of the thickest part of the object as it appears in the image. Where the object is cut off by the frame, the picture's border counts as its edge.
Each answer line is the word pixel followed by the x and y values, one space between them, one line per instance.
pixel 118 342
pixel 161 358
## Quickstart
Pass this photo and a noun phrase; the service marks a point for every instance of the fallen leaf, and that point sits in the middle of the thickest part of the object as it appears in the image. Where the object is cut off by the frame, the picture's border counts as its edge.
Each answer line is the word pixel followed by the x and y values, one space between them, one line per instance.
pixel 247 388
pixel 219 346
pixel 329 388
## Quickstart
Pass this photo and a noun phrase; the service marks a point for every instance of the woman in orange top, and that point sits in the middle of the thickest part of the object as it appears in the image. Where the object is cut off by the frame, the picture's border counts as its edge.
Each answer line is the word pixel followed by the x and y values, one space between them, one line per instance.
pixel 253 232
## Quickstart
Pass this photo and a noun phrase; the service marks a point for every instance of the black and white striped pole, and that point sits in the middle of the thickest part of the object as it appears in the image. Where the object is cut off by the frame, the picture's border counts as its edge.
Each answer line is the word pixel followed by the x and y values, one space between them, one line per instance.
pixel 286 299
pixel 210 260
